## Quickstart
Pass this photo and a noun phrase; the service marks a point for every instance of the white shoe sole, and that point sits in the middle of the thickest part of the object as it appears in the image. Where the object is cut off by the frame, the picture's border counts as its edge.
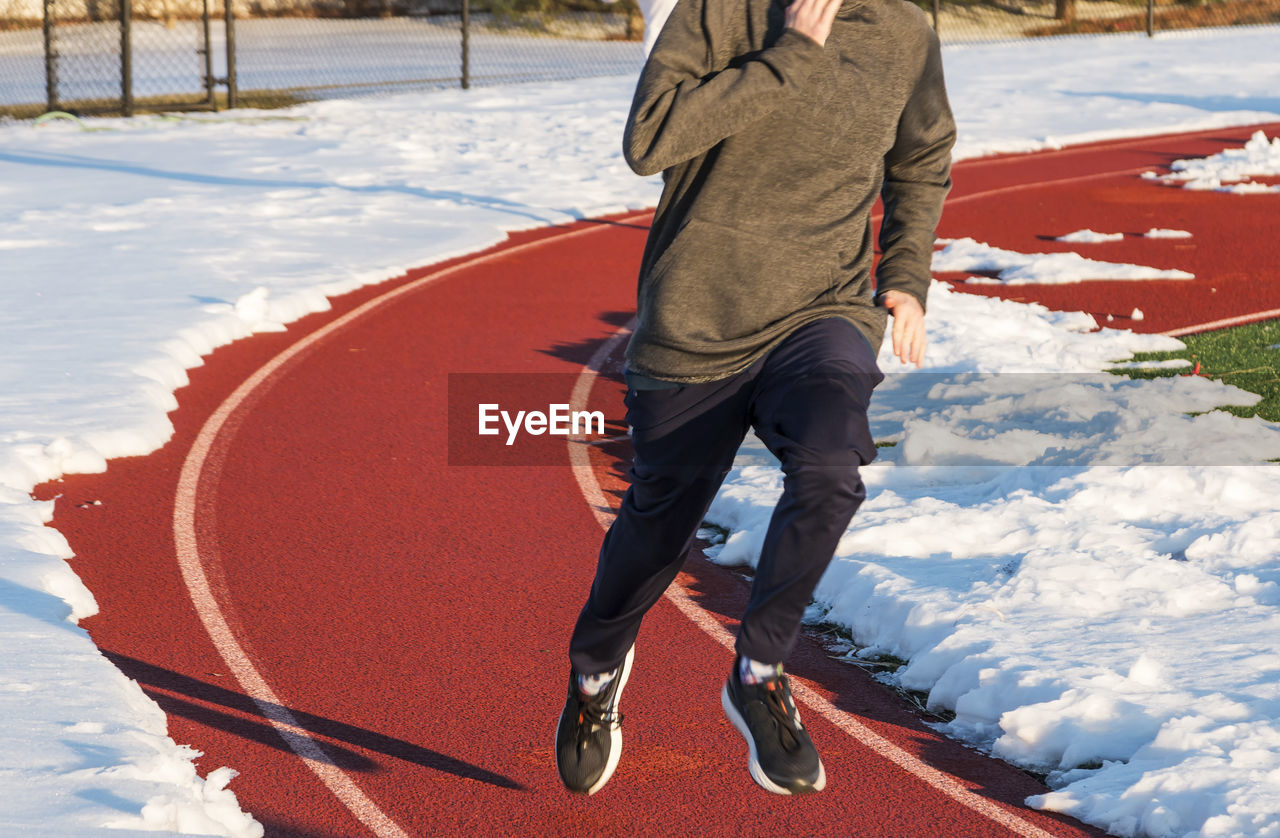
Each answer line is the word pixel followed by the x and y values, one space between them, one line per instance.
pixel 753 759
pixel 615 734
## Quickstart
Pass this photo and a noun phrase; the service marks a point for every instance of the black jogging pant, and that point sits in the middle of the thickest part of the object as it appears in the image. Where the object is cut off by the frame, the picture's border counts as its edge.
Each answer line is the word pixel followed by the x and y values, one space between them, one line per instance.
pixel 807 401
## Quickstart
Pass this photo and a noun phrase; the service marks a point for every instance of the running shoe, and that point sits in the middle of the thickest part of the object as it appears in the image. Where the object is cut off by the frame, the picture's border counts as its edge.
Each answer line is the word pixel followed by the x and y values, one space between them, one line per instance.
pixel 589 735
pixel 781 756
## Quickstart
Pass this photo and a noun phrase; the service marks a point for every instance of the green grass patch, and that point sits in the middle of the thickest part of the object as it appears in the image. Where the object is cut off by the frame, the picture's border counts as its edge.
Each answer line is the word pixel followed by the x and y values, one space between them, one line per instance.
pixel 1247 357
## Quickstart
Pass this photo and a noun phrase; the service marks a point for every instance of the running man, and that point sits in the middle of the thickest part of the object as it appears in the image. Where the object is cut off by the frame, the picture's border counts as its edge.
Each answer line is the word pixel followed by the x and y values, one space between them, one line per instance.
pixel 775 127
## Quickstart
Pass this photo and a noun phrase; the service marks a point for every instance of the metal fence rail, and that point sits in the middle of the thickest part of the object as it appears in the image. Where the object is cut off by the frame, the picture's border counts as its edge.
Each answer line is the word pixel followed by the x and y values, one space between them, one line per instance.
pixel 120 56
pixel 990 20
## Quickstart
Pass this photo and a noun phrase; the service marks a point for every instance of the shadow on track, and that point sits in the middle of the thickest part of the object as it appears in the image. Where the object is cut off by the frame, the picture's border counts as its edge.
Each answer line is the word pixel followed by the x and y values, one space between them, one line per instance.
pixel 181 695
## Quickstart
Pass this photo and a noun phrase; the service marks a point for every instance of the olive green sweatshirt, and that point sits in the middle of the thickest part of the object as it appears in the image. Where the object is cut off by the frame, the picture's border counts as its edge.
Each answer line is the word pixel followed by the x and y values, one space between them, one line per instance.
pixel 773 150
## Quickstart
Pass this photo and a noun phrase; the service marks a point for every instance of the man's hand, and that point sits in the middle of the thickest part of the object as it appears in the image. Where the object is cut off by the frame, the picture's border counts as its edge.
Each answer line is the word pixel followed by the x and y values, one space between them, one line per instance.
pixel 812 18
pixel 908 326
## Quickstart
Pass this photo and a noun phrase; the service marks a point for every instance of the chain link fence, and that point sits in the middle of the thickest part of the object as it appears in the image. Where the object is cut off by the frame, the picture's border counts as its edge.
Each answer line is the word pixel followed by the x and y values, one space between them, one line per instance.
pixel 414 44
pixel 103 56
pixel 119 56
pixel 992 20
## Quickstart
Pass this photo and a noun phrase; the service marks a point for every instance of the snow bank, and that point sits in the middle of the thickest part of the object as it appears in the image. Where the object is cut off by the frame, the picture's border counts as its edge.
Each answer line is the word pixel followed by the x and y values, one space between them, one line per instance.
pixel 1013 268
pixel 1230 170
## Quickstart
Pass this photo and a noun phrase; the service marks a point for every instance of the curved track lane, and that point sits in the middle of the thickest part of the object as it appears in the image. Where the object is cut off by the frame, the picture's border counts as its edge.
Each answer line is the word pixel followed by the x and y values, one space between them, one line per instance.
pixel 408 617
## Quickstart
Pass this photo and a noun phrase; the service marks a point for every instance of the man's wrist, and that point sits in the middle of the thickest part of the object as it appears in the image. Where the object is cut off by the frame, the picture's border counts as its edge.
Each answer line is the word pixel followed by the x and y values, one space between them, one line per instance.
pixel 878 298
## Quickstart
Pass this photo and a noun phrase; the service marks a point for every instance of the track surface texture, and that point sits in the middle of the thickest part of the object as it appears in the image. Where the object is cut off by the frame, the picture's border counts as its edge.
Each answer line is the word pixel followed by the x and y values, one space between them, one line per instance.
pixel 406 618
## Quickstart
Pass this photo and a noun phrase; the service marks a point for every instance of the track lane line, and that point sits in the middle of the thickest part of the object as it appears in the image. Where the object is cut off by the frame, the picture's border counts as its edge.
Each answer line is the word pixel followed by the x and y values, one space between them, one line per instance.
pixel 1025 187
pixel 1240 320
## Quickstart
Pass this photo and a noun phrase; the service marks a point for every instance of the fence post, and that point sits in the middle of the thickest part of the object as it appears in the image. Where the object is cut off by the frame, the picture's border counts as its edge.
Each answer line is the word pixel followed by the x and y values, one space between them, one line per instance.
pixel 211 97
pixel 229 32
pixel 1151 18
pixel 50 59
pixel 126 57
pixel 466 44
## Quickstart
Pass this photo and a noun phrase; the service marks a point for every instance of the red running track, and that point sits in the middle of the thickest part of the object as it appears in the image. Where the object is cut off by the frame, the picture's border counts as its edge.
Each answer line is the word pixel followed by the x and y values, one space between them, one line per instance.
pixel 1234 250
pixel 402 621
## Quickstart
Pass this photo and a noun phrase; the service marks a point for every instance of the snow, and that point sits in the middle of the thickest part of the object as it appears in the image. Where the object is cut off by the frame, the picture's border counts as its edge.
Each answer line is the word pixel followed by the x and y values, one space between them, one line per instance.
pixel 1076 90
pixel 1173 364
pixel 1090 237
pixel 1166 233
pixel 1014 268
pixel 1229 170
pixel 1109 611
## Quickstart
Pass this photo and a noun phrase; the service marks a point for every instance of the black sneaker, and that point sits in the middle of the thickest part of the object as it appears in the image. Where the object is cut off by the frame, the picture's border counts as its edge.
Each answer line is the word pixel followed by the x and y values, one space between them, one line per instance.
pixel 589 735
pixel 782 758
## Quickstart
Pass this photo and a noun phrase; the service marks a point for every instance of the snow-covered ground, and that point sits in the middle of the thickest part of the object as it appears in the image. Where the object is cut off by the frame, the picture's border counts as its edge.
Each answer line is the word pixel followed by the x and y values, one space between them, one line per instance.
pixel 1077 612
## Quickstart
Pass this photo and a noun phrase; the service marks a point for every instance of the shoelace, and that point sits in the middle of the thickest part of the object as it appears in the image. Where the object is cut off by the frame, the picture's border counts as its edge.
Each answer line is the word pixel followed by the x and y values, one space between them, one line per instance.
pixel 592 716
pixel 776 694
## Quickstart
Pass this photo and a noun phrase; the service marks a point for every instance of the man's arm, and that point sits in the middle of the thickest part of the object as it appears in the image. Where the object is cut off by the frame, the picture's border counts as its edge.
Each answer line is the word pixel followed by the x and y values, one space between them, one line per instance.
pixel 917 179
pixel 682 106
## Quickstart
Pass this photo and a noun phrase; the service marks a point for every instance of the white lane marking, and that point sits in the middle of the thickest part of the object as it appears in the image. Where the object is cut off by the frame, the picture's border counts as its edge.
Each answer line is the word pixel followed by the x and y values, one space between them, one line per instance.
pixel 1240 320
pixel 589 485
pixel 203 465
pixel 1025 187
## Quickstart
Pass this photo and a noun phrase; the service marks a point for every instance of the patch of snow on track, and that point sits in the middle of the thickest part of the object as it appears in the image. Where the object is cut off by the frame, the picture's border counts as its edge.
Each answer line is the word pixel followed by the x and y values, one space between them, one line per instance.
pixel 1013 268
pixel 1231 170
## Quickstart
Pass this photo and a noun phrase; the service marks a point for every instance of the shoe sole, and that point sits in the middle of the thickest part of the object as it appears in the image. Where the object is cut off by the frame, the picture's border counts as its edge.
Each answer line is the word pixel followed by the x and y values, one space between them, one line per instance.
pixel 753 759
pixel 615 735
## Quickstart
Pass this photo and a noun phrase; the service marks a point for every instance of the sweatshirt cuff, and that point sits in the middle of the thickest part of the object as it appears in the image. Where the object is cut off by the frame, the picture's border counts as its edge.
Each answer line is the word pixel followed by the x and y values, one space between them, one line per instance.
pixel 919 290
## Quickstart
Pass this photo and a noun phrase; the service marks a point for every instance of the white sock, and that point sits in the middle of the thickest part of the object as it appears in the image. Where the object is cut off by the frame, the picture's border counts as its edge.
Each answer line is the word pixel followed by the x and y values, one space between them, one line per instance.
pixel 754 672
pixel 593 684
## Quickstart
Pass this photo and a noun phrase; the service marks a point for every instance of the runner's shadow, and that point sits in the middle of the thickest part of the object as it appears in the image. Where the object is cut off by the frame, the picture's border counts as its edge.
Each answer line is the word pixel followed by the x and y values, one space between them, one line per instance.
pixel 580 352
pixel 607 223
pixel 233 712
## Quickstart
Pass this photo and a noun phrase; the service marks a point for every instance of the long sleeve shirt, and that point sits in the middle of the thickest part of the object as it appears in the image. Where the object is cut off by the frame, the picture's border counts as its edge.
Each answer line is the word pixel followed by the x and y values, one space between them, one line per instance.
pixel 773 151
